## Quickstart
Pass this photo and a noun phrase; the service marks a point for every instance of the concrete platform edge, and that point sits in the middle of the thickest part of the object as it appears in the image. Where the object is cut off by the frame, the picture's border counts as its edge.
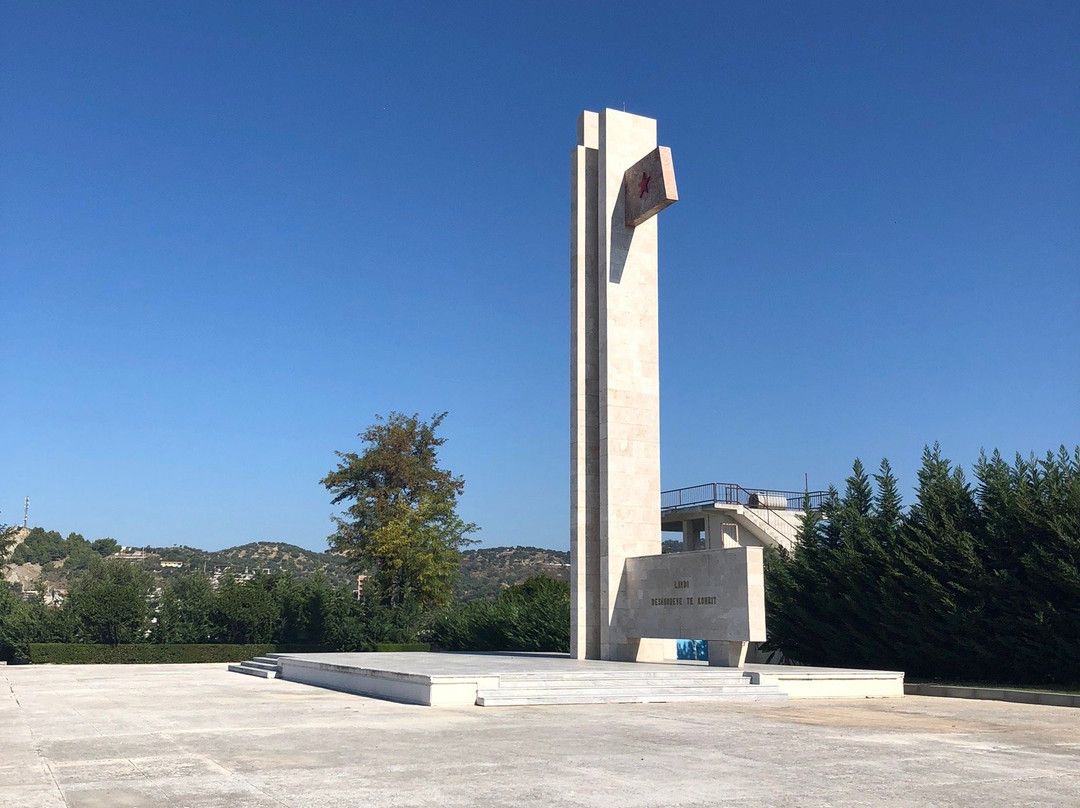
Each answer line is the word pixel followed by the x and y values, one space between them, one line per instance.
pixel 425 680
pixel 1043 697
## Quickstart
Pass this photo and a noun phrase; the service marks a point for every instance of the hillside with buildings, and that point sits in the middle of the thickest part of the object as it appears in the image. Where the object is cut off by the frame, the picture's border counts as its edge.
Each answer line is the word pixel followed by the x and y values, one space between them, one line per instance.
pixel 46 560
pixel 485 572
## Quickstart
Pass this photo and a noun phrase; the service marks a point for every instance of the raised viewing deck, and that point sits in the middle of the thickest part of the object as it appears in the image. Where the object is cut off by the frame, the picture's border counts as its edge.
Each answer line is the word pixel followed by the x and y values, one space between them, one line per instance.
pixel 717 515
pixel 735 494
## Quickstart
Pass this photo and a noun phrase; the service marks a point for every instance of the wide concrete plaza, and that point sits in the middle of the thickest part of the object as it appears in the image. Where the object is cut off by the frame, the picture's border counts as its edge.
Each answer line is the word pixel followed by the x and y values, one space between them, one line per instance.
pixel 196 735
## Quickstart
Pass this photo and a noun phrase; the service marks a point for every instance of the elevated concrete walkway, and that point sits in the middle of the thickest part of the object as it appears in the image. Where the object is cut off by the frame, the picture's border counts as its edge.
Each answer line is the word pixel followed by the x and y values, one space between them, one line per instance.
pixel 717 516
pixel 721 525
pixel 507 679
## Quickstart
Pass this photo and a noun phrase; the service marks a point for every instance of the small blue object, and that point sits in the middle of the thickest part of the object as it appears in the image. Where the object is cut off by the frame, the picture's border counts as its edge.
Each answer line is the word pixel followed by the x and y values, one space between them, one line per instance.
pixel 692 649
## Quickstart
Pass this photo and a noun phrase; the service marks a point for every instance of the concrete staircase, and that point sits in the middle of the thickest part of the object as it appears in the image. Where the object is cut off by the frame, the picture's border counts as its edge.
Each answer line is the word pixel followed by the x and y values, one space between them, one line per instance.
pixel 625 687
pixel 771 528
pixel 266 667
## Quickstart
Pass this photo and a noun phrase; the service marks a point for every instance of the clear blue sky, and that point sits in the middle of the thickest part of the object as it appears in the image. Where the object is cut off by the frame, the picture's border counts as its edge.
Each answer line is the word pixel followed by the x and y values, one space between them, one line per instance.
pixel 232 233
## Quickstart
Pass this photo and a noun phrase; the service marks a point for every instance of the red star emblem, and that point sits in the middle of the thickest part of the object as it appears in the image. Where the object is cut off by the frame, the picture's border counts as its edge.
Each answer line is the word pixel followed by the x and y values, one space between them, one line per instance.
pixel 643 186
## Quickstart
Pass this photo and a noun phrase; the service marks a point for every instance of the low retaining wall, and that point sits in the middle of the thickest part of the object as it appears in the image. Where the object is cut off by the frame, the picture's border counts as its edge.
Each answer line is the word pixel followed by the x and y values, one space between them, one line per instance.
pixel 829 683
pixel 1046 697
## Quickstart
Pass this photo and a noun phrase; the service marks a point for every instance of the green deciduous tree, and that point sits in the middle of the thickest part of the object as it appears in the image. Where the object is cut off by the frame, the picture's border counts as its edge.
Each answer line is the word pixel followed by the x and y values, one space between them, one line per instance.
pixel 108 603
pixel 401 529
pixel 244 612
pixel 104 547
pixel 13 633
pixel 79 553
pixel 25 621
pixel 185 613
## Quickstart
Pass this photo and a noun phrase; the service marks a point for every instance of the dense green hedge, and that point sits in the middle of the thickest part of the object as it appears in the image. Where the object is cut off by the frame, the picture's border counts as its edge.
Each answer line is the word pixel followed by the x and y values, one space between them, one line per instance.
pixel 397 647
pixel 86 654
pixel 60 653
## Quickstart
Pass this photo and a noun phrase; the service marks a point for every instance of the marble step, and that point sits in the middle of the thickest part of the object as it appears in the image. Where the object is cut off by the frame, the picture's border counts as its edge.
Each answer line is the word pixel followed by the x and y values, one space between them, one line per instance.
pixel 496 698
pixel 260 664
pixel 552 683
pixel 617 690
pixel 265 666
pixel 250 670
pixel 712 674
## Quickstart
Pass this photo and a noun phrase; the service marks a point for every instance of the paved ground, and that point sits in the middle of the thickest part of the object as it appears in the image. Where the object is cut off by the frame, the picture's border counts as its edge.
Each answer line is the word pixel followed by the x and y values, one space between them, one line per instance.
pixel 195 735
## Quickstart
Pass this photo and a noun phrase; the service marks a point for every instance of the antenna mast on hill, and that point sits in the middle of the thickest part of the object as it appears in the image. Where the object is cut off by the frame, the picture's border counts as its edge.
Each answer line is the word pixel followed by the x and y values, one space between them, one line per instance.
pixel 25 511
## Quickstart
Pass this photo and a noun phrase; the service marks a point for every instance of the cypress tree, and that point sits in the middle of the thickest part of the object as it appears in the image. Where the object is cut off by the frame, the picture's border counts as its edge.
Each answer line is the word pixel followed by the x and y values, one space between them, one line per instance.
pixel 977 585
pixel 790 595
pixel 1031 515
pixel 942 570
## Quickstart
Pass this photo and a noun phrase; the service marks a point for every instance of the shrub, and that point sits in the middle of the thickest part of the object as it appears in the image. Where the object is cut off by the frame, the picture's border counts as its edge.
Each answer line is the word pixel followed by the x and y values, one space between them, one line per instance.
pixel 531 616
pixel 146 653
pixel 398 647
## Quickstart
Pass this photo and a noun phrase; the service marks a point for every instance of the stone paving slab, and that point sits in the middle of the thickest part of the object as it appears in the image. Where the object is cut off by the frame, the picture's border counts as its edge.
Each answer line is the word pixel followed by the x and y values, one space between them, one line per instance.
pixel 196 735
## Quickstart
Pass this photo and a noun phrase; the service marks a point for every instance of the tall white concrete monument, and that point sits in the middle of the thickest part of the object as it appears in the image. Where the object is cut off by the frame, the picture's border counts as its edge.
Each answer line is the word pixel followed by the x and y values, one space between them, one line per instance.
pixel 626 598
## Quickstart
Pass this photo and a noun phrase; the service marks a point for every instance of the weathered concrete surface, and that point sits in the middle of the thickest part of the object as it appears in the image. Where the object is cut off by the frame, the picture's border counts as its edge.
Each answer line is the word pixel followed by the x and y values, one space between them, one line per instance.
pixel 196 735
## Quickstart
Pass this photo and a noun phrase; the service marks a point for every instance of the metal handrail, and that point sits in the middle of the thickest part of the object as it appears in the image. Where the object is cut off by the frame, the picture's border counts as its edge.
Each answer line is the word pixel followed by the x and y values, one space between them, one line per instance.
pixel 735 494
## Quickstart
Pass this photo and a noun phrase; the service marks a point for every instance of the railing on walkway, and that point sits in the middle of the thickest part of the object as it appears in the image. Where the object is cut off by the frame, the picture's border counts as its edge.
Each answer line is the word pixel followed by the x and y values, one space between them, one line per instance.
pixel 733 494
pixel 772 507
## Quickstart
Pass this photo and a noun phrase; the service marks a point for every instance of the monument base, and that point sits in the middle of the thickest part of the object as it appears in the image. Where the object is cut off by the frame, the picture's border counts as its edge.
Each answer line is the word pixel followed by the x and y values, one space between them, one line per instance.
pixel 505 679
pixel 731 654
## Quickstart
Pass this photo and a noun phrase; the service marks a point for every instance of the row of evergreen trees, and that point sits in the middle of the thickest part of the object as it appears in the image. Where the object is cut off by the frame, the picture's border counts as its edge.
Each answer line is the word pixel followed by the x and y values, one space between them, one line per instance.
pixel 115 602
pixel 977 583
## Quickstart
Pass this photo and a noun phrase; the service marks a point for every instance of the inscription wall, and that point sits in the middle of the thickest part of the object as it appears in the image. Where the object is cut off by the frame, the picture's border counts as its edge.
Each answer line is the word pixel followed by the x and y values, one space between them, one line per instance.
pixel 706 594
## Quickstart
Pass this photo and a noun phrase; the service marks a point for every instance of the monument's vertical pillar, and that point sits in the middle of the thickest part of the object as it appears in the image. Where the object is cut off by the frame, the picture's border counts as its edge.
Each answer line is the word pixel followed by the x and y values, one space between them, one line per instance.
pixel 629 377
pixel 615 470
pixel 584 395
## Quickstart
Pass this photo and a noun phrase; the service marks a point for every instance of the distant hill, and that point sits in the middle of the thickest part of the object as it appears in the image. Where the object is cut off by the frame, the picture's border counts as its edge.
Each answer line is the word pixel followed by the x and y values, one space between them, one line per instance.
pixel 253 557
pixel 484 572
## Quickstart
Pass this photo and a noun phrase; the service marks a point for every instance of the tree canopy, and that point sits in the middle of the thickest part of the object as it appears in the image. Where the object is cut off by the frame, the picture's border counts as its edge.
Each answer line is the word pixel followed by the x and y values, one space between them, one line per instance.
pixel 402 529
pixel 42 546
pixel 7 538
pixel 109 602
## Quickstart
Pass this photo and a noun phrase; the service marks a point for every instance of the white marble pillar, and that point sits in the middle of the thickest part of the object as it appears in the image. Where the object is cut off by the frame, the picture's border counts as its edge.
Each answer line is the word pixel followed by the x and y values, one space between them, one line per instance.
pixel 584 396
pixel 615 389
